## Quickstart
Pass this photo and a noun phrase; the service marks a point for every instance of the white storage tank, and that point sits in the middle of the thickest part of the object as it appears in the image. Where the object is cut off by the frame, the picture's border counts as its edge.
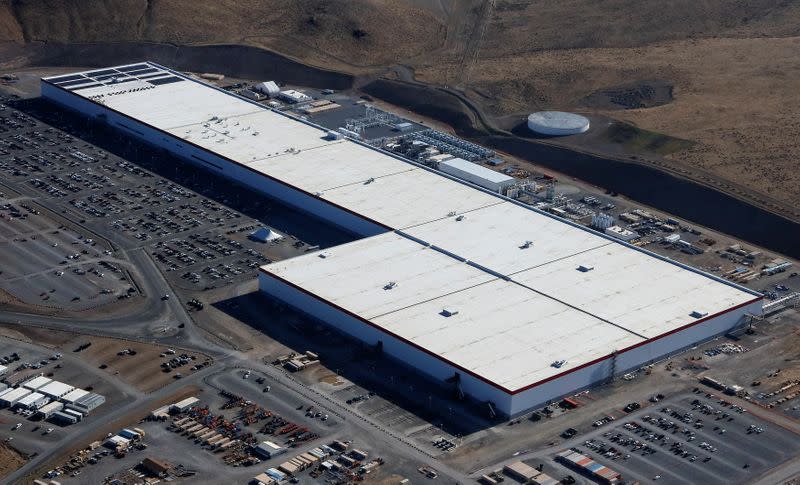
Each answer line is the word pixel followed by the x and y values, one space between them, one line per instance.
pixel 557 123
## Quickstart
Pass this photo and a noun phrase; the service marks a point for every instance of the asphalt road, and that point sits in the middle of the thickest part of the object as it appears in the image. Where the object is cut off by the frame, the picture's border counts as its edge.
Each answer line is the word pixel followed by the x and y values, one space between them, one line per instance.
pixel 170 312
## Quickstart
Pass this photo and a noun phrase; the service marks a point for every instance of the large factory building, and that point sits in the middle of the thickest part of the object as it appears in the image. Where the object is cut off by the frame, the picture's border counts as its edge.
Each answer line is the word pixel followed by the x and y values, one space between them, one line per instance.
pixel 514 306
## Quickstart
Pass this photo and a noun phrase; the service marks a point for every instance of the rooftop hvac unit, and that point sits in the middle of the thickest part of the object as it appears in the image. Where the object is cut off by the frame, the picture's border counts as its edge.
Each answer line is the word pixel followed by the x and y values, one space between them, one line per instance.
pixel 697 314
pixel 448 312
pixel 585 269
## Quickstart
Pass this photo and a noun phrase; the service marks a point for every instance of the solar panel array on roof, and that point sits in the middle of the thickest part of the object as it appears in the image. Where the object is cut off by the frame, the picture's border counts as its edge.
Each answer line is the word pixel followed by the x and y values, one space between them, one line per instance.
pixel 100 73
pixel 71 77
pixel 144 71
pixel 75 82
pixel 152 76
pixel 165 80
pixel 134 67
pixel 108 76
pixel 85 86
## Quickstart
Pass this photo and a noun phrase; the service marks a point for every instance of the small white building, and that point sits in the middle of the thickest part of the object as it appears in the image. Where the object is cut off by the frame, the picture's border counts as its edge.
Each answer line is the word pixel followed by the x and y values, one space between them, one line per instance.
pixel 265 234
pixel 293 96
pixel 10 397
pixel 3 370
pixel 73 396
pixel 49 409
pixel 116 442
pixel 182 406
pixel 268 449
pixel 267 88
pixel 87 403
pixel 36 382
pixel 34 400
pixel 440 157
pixel 55 389
pixel 621 233
pixel 478 175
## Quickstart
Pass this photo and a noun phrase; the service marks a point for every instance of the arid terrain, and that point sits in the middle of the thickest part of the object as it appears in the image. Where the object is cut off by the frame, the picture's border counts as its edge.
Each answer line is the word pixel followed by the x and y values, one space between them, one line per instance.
pixel 721 75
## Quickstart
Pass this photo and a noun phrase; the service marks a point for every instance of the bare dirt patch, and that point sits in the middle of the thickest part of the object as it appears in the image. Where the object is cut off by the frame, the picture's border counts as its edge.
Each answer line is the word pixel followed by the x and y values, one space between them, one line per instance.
pixel 643 94
pixel 10 459
pixel 141 370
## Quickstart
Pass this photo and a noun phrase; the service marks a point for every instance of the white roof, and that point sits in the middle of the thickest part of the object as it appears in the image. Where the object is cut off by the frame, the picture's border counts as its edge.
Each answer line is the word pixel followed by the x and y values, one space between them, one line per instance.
pixel 36 382
pixel 3 369
pixel 31 398
pixel 55 405
pixel 509 227
pixel 56 389
pixel 11 395
pixel 118 440
pixel 363 268
pixel 503 330
pixel 269 445
pixel 643 294
pixel 477 170
pixel 453 245
pixel 186 402
pixel 520 343
pixel 74 395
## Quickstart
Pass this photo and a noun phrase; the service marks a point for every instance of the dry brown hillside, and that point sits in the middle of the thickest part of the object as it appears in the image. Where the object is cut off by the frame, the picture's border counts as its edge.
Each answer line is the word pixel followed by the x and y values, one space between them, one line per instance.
pixel 727 70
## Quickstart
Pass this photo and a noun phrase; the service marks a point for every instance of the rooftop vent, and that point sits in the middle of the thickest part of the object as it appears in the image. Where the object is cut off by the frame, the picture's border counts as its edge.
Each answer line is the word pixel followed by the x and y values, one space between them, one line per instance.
pixel 526 245
pixel 460 218
pixel 451 213
pixel 584 269
pixel 369 180
pixel 697 314
pixel 390 285
pixel 557 364
pixel 448 312
pixel 323 255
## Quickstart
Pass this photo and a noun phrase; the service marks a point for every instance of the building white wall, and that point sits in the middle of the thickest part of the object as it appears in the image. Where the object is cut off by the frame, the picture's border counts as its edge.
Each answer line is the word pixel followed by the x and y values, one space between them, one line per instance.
pixel 393 347
pixel 505 403
pixel 290 196
pixel 636 358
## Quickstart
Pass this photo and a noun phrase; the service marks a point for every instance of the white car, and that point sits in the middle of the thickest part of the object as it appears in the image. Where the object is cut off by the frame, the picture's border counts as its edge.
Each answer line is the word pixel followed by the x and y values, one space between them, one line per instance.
pixel 17 426
pixel 48 431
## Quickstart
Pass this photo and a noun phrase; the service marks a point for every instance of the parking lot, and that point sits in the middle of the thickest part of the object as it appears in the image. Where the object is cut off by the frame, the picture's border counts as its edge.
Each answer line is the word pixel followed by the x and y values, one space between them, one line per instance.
pixel 193 225
pixel 53 265
pixel 692 438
